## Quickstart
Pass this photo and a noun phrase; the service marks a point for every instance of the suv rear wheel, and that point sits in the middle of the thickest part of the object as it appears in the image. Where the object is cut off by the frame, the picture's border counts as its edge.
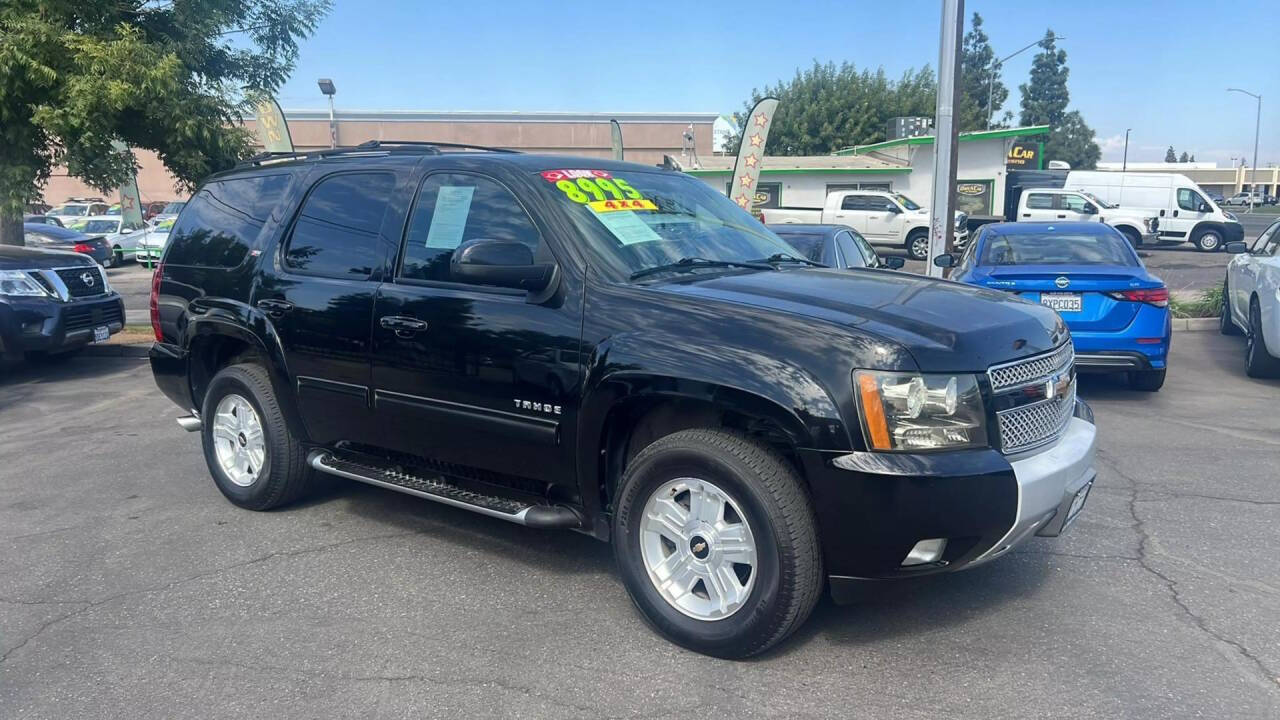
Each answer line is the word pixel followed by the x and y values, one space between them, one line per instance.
pixel 918 244
pixel 254 460
pixel 717 542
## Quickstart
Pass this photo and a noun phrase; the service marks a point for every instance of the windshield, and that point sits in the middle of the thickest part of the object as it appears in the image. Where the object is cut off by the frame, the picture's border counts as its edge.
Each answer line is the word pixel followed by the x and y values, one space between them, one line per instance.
pixel 1058 249
pixel 98 226
pixel 70 210
pixel 1099 203
pixel 172 208
pixel 637 220
pixel 906 202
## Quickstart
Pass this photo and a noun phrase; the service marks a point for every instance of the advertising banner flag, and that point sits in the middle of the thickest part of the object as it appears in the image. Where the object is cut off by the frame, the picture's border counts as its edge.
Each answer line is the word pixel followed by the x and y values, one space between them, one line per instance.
pixel 616 131
pixel 130 200
pixel 746 170
pixel 273 131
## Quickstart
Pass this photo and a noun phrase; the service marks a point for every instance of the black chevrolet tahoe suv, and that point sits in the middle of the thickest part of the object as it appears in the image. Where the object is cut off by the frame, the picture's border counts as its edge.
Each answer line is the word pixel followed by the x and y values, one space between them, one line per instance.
pixel 619 350
pixel 53 303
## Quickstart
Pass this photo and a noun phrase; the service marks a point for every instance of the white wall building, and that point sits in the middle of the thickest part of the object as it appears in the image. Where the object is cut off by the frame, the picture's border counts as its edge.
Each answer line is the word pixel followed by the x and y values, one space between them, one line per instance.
pixel 904 165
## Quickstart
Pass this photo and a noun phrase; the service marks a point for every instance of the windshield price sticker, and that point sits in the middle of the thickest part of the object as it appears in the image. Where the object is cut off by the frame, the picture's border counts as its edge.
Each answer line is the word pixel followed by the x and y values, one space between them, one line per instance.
pixel 604 206
pixel 597 189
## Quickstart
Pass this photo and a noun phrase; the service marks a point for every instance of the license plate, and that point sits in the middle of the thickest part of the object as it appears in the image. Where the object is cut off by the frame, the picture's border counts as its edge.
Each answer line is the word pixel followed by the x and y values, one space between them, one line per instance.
pixel 101 334
pixel 1077 504
pixel 1062 302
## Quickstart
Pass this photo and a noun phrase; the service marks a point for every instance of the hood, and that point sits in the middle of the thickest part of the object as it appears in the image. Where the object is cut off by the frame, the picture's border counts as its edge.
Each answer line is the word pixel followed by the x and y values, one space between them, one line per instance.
pixel 25 258
pixel 946 326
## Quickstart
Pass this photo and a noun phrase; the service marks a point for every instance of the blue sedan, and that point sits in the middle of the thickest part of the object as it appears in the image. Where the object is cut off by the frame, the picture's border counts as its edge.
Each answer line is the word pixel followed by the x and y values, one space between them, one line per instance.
pixel 1117 311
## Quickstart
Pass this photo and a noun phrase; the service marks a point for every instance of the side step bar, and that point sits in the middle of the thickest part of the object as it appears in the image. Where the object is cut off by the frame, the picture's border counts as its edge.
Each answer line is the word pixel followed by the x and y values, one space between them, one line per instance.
pixel 438 489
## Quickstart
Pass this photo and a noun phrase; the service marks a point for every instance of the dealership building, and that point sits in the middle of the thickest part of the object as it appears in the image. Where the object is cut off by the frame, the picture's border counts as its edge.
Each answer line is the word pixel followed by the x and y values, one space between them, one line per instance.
pixel 903 165
pixel 646 136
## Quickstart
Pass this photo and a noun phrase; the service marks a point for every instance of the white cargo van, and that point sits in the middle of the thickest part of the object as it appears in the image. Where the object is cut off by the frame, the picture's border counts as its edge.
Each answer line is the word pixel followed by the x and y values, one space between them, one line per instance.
pixel 1185 213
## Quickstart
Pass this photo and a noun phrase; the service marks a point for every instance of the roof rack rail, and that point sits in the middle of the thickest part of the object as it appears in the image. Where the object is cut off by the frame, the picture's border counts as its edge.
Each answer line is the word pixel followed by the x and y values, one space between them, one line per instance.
pixel 375 144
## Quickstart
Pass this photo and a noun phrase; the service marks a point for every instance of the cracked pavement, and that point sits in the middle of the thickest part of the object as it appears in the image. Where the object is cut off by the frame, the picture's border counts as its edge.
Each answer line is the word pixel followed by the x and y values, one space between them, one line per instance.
pixel 130 588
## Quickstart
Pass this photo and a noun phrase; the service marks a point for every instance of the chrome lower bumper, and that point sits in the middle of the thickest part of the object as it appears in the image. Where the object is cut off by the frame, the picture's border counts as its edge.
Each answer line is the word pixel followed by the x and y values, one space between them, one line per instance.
pixel 1048 481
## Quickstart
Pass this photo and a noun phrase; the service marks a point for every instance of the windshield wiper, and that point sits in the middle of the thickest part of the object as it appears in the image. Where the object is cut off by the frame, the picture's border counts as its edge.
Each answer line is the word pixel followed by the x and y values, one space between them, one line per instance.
pixel 787 257
pixel 688 263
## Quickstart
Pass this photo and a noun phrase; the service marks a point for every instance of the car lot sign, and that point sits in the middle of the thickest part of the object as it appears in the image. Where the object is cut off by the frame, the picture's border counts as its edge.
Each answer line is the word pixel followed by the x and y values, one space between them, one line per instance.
pixel 1025 156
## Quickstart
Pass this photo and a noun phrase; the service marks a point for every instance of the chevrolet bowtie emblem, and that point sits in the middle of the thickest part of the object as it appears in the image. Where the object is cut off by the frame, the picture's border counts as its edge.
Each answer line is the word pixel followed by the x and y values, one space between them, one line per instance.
pixel 699 547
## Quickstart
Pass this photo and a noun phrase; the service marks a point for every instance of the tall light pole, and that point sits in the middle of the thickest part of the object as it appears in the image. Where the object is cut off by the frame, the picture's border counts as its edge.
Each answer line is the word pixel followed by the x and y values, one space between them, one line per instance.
pixel 327 87
pixel 1257 123
pixel 942 222
pixel 1124 165
pixel 995 66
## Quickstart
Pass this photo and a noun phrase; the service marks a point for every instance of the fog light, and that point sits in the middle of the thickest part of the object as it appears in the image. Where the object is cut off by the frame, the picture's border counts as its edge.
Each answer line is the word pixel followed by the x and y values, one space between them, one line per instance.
pixel 926 552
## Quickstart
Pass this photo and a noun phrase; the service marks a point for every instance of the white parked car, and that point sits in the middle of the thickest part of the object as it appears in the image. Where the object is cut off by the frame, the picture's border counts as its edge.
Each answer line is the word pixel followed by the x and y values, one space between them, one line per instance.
pixel 883 218
pixel 1052 205
pixel 150 244
pixel 170 211
pixel 124 237
pixel 1243 199
pixel 1251 302
pixel 75 210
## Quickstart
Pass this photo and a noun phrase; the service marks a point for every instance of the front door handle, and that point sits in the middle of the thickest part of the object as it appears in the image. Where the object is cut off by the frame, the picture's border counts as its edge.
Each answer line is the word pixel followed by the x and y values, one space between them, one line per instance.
pixel 1062 217
pixel 1026 214
pixel 275 308
pixel 404 327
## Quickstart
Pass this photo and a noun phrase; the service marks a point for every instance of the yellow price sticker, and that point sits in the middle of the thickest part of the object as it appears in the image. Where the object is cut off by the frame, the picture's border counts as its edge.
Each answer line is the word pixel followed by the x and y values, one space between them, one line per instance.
pixel 604 206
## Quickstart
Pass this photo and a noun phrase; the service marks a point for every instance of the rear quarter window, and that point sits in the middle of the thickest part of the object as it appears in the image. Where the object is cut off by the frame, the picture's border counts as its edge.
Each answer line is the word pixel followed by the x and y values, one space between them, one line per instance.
pixel 221 223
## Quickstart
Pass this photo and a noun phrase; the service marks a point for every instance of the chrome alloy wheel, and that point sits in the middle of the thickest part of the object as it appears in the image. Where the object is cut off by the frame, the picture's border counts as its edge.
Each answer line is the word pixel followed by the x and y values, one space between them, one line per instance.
pixel 698 549
pixel 238 440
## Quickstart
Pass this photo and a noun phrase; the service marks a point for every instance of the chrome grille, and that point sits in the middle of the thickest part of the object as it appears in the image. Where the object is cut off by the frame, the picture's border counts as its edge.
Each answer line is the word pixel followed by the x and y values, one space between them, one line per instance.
pixel 1040 396
pixel 84 281
pixel 1025 427
pixel 1035 369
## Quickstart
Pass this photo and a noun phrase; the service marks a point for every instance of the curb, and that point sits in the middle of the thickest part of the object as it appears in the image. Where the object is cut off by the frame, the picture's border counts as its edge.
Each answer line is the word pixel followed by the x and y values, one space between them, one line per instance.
pixel 117 350
pixel 1195 324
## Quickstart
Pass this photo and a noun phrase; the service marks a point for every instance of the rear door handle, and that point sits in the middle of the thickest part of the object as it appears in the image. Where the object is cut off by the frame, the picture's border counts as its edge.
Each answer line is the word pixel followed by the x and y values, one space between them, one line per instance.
pixel 1026 214
pixel 403 326
pixel 275 308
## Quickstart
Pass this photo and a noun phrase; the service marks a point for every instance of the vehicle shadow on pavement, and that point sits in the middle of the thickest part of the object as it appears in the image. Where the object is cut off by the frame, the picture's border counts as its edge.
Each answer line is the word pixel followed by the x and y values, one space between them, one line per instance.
pixel 920 605
pixel 1109 386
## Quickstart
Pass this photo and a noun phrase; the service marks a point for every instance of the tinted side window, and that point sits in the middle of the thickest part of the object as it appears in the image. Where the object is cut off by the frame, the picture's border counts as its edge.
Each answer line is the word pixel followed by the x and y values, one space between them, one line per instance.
pixel 852 257
pixel 853 202
pixel 453 208
pixel 336 234
pixel 868 253
pixel 221 223
pixel 1189 200
pixel 1039 201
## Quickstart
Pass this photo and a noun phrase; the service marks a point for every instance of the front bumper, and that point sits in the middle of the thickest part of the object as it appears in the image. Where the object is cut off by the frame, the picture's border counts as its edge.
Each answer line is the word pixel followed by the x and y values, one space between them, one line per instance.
pixel 874 507
pixel 48 325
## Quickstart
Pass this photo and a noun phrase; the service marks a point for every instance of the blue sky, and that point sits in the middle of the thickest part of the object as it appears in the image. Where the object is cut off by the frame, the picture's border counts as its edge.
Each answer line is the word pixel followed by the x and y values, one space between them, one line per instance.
pixel 1160 68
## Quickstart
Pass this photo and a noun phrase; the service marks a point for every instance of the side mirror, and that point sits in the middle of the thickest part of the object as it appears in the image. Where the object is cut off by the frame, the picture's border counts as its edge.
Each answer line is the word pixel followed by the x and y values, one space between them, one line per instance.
pixel 944 261
pixel 1090 209
pixel 1237 247
pixel 499 262
pixel 1204 207
pixel 893 262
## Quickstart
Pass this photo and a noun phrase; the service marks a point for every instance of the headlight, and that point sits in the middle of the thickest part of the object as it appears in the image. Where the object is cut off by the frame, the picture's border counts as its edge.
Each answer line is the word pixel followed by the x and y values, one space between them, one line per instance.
pixel 909 412
pixel 18 282
pixel 1231 216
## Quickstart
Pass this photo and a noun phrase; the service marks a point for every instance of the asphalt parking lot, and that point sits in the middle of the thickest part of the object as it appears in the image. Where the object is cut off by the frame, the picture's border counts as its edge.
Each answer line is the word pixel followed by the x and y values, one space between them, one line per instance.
pixel 130 588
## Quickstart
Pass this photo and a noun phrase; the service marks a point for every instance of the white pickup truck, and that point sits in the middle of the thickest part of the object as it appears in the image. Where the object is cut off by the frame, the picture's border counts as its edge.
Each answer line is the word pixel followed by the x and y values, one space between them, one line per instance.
pixel 1051 204
pixel 883 218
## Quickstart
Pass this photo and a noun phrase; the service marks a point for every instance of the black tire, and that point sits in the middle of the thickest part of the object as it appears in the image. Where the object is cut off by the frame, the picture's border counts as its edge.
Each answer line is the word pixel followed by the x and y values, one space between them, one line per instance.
pixel 1133 236
pixel 776 507
pixel 1226 325
pixel 1146 380
pixel 284 475
pixel 916 249
pixel 1208 240
pixel 1259 363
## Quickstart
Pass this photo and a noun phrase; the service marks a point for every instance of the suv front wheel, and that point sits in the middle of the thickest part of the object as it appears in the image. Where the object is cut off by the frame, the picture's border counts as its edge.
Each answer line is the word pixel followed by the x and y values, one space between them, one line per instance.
pixel 717 543
pixel 254 459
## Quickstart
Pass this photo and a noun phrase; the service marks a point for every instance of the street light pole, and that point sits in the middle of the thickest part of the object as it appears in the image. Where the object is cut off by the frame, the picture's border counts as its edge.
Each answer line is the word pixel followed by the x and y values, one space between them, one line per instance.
pixel 991 84
pixel 327 87
pixel 1125 164
pixel 1257 123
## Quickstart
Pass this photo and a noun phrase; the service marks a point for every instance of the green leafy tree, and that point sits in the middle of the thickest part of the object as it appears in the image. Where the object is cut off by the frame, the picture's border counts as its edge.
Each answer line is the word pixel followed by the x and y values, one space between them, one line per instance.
pixel 1044 102
pixel 1170 156
pixel 829 107
pixel 76 75
pixel 1193 159
pixel 976 82
pixel 1184 157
